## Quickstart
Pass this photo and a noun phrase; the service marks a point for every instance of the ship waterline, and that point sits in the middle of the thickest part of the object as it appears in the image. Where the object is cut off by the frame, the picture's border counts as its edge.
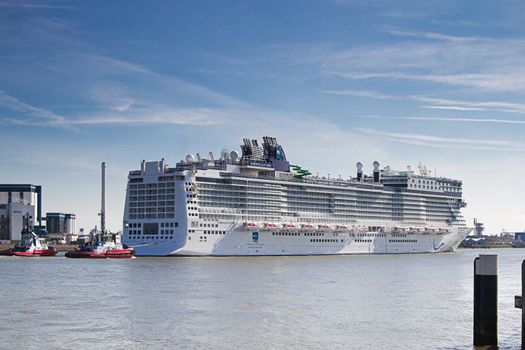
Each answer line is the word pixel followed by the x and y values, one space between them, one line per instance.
pixel 259 204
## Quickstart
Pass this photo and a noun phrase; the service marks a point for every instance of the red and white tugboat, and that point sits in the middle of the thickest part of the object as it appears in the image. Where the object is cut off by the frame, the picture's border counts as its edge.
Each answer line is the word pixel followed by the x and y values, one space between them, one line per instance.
pixel 30 245
pixel 103 245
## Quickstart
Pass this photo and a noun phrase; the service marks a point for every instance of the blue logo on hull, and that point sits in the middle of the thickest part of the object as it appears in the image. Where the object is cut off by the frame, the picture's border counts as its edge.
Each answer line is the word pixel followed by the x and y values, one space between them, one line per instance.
pixel 255 236
pixel 439 246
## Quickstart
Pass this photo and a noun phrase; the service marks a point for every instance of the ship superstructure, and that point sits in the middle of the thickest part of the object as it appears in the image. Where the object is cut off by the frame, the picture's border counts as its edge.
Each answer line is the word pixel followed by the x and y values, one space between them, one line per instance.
pixel 257 203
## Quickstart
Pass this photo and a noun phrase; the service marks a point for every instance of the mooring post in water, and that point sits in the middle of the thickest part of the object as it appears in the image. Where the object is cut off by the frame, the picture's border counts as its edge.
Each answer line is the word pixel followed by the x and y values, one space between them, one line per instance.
pixel 486 301
pixel 521 304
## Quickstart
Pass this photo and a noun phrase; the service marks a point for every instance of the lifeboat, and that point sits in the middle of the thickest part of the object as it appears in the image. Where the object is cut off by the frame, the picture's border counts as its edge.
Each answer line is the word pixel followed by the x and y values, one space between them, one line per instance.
pixel 324 227
pixel 341 228
pixel 307 227
pixel 290 226
pixel 249 226
pixel 31 245
pixel 270 226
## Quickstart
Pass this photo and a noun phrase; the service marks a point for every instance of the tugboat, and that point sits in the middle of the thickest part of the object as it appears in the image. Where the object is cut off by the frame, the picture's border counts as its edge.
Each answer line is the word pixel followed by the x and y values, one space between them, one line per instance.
pixel 104 245
pixel 30 245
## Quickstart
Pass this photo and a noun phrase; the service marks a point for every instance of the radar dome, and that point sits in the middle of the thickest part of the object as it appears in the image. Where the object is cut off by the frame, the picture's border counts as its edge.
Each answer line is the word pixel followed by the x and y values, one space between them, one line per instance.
pixel 359 166
pixel 234 155
pixel 190 158
pixel 376 165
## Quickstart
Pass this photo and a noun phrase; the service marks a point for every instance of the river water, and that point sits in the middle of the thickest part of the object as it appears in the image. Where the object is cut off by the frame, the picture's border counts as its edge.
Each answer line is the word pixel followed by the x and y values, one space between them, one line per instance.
pixel 333 302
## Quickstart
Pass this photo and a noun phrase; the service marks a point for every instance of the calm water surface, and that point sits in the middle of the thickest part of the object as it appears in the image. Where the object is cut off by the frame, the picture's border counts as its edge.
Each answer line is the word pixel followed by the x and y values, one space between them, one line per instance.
pixel 345 302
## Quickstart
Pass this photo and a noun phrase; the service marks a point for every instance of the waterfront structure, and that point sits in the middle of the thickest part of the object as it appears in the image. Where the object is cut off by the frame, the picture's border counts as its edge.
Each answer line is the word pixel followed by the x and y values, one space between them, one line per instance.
pixel 59 226
pixel 519 236
pixel 104 244
pixel 258 204
pixel 20 207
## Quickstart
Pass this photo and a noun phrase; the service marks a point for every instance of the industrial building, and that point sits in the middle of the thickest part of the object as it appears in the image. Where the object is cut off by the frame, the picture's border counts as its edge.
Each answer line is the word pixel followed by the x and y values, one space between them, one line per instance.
pixel 60 226
pixel 20 206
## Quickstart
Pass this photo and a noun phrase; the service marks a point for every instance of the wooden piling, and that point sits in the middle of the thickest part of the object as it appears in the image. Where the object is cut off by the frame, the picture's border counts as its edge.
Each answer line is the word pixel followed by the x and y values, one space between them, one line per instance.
pixel 486 301
pixel 522 308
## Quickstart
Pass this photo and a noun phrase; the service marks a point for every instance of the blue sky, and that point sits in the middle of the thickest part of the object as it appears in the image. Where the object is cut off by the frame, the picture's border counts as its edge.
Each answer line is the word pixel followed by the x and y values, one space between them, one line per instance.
pixel 336 81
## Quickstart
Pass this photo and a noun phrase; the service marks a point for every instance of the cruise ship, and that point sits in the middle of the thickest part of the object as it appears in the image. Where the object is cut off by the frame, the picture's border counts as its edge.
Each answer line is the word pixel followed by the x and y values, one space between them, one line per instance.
pixel 257 203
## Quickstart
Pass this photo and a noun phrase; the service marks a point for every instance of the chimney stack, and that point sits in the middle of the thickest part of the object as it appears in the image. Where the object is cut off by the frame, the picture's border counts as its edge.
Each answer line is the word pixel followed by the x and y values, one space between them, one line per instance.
pixel 359 166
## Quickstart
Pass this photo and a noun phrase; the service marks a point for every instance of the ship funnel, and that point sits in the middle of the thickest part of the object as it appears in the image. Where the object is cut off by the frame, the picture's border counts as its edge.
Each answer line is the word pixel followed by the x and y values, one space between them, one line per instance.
pixel 359 167
pixel 376 171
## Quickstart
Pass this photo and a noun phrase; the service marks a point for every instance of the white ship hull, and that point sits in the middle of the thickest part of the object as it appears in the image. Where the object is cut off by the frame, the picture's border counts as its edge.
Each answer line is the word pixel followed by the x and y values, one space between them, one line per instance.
pixel 279 243
pixel 261 205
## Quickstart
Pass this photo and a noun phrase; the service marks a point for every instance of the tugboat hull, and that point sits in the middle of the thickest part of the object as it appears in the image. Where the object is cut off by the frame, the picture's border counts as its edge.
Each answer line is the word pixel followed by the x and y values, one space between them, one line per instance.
pixel 40 252
pixel 110 254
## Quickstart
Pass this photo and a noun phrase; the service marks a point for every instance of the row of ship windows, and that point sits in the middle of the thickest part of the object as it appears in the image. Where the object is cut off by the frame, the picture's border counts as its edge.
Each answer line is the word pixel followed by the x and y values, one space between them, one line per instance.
pixel 338 208
pixel 169 215
pixel 325 220
pixel 151 237
pixel 149 198
pixel 326 240
pixel 339 204
pixel 133 192
pixel 357 214
pixel 218 202
pixel 322 234
pixel 152 210
pixel 310 192
pixel 152 185
pixel 162 232
pixel 154 203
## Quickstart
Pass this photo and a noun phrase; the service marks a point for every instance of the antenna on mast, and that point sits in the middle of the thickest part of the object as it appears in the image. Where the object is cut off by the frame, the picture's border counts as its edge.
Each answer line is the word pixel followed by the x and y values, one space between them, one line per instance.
pixel 103 201
pixel 423 170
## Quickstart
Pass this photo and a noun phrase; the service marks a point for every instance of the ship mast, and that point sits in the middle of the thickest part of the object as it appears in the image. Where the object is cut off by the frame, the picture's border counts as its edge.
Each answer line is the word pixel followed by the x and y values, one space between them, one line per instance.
pixel 103 201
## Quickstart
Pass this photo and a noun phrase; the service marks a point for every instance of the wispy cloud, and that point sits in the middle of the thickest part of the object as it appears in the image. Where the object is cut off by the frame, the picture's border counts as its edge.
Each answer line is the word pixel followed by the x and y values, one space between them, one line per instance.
pixel 434 58
pixel 447 142
pixel 437 103
pixel 36 6
pixel 501 106
pixel 450 119
pixel 15 104
pixel 359 93
pixel 469 120
pixel 34 116
pixel 454 108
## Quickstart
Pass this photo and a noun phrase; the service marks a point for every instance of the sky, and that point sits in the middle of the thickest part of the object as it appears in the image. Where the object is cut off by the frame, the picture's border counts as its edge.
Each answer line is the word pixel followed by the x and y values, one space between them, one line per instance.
pixel 336 81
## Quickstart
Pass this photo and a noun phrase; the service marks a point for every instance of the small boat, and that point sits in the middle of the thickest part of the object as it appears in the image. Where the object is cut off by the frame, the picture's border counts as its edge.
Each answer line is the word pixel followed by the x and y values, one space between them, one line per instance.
pixel 307 227
pixel 31 245
pixel 104 245
pixel 102 248
pixel 324 227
